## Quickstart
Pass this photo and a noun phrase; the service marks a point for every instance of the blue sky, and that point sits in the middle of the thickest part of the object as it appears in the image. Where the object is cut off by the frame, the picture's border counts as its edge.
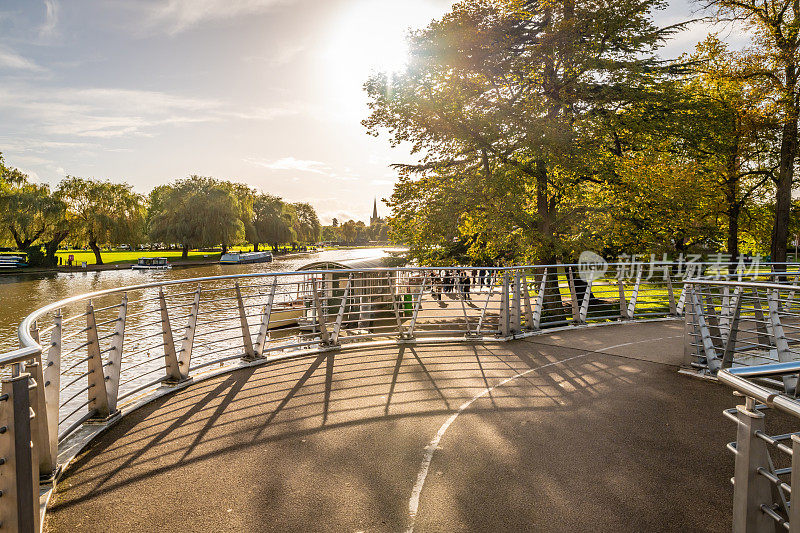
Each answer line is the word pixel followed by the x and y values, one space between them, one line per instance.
pixel 266 92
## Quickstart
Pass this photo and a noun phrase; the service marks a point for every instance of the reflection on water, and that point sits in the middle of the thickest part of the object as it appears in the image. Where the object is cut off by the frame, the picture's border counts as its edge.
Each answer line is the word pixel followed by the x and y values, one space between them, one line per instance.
pixel 20 295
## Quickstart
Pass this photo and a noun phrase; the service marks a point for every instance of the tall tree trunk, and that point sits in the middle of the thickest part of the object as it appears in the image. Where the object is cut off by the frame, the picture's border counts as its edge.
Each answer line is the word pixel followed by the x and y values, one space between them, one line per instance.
pixel 185 251
pixel 734 206
pixel 51 247
pixel 552 304
pixel 255 246
pixel 224 249
pixel 96 249
pixel 733 231
pixel 783 190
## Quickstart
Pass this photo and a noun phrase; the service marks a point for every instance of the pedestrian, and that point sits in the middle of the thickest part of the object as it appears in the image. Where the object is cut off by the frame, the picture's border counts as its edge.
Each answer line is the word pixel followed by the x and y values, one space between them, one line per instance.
pixel 464 285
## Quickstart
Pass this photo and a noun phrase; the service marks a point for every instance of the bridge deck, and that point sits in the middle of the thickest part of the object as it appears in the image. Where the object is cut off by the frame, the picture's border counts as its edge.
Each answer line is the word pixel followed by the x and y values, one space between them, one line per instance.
pixel 600 433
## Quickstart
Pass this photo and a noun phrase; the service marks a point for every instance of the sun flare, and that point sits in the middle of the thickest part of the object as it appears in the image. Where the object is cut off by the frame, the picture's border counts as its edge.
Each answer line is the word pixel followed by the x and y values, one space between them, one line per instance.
pixel 371 37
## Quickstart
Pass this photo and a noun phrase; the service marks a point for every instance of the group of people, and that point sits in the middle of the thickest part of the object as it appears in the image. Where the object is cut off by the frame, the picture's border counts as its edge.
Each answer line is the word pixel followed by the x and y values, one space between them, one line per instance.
pixel 459 282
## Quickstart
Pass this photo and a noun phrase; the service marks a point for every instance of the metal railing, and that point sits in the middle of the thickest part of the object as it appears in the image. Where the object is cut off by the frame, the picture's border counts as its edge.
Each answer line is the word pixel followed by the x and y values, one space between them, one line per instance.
pixel 731 323
pixel 747 334
pixel 84 359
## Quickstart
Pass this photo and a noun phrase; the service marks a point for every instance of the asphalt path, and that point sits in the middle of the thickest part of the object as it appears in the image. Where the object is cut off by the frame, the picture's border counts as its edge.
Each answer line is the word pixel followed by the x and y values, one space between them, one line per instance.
pixel 587 429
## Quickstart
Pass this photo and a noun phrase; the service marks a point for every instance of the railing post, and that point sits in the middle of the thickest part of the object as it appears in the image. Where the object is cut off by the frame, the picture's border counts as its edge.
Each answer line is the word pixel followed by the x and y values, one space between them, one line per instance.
pixel 794 481
pixel 392 282
pixel 634 296
pixel 323 329
pixel 623 302
pixel 46 467
pixel 98 396
pixel 185 354
pixel 492 278
pixel 584 312
pixel 170 357
pixel 114 365
pixel 709 351
pixel 761 322
pixel 539 306
pixel 247 338
pixel 19 479
pixel 505 322
pixel 779 339
pixel 52 385
pixel 527 299
pixel 681 301
pixel 689 331
pixel 516 304
pixel 342 308
pixel 573 294
pixel 263 331
pixel 673 308
pixel 750 489
pixel 417 306
pixel 733 329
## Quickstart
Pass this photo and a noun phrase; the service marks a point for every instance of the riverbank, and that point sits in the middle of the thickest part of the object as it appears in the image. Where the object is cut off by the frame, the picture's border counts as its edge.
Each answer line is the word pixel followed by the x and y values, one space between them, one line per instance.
pixel 195 259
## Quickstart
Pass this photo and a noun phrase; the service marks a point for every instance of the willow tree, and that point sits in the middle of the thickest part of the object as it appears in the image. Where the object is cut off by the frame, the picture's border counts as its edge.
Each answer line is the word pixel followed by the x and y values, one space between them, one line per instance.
pixel 195 212
pixel 102 213
pixel 514 107
pixel 270 223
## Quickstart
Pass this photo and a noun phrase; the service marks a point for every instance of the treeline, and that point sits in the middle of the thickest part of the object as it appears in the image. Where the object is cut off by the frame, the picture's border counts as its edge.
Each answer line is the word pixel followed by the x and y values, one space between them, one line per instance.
pixel 196 212
pixel 545 129
pixel 355 232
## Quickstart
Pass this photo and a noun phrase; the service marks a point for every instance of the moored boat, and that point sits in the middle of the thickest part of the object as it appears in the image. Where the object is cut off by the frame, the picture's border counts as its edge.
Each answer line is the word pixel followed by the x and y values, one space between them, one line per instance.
pixel 239 258
pixel 152 263
pixel 12 261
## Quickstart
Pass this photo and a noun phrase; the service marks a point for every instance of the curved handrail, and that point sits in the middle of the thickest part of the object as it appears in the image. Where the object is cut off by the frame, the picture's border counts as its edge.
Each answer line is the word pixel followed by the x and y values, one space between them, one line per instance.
pixel 28 342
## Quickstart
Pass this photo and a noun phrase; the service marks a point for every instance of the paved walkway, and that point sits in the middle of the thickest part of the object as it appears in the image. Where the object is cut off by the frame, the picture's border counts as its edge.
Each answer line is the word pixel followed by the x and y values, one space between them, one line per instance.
pixel 589 429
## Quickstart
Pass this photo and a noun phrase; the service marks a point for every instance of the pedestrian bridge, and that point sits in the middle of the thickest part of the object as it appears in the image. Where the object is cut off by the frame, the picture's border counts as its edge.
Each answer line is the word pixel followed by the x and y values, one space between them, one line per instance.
pixel 388 403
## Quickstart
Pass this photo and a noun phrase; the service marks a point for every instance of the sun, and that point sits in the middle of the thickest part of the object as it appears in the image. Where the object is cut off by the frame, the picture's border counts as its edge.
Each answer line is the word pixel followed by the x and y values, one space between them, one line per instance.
pixel 370 36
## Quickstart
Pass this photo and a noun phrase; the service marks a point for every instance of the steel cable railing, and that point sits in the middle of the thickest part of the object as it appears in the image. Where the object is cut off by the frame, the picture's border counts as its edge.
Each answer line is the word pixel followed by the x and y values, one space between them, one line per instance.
pixel 108 349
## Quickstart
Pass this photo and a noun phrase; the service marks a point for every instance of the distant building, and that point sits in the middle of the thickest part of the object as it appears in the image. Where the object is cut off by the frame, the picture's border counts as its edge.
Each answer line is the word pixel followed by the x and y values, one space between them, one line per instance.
pixel 375 219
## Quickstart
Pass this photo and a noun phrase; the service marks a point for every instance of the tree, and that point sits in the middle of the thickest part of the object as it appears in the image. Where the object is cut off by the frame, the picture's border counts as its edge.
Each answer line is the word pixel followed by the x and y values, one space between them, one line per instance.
pixel 517 107
pixel 306 222
pixel 773 61
pixel 195 212
pixel 270 224
pixel 102 213
pixel 28 211
pixel 245 197
pixel 729 134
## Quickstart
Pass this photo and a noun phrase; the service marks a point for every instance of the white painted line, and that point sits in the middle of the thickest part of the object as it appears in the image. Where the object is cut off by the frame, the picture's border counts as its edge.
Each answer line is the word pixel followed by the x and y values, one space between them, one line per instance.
pixel 430 449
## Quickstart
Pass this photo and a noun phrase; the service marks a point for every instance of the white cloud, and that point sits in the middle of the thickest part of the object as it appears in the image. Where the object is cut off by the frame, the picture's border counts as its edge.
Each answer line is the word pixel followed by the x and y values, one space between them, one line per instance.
pixel 12 60
pixel 48 28
pixel 290 163
pixel 107 113
pixel 176 16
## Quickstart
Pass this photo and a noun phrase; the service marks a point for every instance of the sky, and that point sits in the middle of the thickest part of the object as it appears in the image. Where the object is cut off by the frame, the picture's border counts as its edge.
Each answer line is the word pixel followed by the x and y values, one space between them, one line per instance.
pixel 265 92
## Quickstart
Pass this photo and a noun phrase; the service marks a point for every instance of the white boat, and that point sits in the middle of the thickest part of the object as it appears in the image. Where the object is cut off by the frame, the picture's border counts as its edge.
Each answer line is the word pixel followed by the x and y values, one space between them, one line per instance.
pixel 152 263
pixel 285 315
pixel 239 258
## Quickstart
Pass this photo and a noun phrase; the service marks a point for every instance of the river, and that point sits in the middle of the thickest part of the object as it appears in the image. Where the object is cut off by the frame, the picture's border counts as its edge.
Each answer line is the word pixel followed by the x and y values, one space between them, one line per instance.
pixel 24 293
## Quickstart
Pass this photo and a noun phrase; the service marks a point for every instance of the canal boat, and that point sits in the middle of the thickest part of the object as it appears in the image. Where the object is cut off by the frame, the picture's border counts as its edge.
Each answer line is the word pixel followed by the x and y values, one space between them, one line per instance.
pixel 240 258
pixel 152 263
pixel 12 261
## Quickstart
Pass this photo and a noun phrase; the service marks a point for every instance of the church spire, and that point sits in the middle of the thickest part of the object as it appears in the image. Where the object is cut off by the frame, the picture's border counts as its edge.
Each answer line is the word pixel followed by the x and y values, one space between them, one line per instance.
pixel 374 212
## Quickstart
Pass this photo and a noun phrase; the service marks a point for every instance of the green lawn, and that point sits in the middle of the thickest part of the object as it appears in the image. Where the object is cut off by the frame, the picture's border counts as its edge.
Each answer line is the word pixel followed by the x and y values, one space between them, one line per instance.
pixel 126 256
